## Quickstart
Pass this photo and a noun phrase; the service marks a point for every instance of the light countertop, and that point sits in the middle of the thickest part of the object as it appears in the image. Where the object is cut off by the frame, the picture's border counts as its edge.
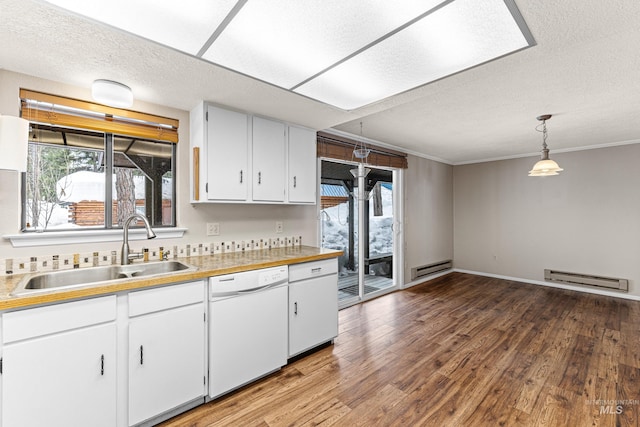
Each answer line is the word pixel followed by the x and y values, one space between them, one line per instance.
pixel 207 265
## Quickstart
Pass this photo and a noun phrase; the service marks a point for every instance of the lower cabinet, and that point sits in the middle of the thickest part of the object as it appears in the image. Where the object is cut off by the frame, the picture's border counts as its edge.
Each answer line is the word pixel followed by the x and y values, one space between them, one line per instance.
pixel 140 357
pixel 59 365
pixel 313 304
pixel 166 349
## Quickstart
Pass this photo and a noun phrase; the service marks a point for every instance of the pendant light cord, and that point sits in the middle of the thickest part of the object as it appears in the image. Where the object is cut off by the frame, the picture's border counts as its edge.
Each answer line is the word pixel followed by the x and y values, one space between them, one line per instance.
pixel 544 133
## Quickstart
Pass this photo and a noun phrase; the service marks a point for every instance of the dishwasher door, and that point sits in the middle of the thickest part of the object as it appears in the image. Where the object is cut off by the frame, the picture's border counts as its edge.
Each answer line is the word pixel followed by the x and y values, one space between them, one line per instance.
pixel 248 337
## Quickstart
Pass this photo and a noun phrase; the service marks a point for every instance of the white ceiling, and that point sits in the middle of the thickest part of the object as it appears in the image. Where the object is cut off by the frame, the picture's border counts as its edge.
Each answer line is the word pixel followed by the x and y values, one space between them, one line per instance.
pixel 584 70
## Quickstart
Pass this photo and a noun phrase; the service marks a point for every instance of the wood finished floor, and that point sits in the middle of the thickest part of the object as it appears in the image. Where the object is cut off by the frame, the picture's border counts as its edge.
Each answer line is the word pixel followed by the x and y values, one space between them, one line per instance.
pixel 460 350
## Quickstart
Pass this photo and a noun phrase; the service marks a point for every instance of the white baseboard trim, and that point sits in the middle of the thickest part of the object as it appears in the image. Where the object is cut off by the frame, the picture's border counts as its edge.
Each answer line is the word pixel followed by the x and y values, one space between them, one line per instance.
pixel 552 285
pixel 426 279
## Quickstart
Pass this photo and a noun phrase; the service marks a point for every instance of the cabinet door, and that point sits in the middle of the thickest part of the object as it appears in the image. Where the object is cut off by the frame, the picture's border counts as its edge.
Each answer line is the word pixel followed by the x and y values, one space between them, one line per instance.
pixel 313 313
pixel 268 160
pixel 166 361
pixel 64 379
pixel 227 154
pixel 302 165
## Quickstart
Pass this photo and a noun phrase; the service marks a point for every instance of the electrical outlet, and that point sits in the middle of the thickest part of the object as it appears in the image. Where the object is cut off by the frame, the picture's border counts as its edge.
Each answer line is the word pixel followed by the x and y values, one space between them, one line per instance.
pixel 213 229
pixel 279 227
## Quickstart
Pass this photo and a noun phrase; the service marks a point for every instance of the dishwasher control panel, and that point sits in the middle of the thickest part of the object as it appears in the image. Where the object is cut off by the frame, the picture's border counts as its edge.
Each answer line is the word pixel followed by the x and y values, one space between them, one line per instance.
pixel 247 281
pixel 273 276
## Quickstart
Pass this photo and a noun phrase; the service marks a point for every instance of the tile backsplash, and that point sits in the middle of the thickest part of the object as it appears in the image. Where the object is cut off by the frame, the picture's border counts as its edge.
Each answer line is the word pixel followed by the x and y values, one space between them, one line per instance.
pixel 44 263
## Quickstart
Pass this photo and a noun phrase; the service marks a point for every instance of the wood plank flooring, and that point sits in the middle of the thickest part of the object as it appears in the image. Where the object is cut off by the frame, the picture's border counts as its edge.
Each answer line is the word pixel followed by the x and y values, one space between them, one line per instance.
pixel 461 350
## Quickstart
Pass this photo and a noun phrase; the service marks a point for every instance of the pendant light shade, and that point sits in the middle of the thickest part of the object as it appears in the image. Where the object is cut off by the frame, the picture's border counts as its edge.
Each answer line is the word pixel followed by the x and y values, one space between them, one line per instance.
pixel 112 93
pixel 14 142
pixel 545 166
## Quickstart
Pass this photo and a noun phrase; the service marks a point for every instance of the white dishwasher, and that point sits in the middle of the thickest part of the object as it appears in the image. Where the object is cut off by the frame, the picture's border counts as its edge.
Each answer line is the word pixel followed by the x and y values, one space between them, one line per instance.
pixel 248 329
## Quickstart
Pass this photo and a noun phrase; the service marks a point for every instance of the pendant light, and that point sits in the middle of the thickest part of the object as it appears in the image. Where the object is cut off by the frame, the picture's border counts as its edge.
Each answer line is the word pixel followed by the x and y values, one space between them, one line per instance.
pixel 361 152
pixel 545 166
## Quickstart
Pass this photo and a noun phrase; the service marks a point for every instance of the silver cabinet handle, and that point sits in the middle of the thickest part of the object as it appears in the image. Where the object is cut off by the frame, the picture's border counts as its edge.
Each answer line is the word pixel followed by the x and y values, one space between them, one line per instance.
pixel 316 270
pixel 141 355
pixel 295 308
pixel 241 177
pixel 102 364
pixel 295 182
pixel 259 177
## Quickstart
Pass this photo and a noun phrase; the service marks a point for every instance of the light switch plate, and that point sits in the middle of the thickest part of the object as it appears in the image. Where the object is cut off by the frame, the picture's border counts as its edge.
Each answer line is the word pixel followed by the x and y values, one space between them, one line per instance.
pixel 213 229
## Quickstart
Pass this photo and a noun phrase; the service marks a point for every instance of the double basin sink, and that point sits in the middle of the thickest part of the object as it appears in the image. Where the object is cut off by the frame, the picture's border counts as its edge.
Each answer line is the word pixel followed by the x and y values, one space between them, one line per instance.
pixel 59 280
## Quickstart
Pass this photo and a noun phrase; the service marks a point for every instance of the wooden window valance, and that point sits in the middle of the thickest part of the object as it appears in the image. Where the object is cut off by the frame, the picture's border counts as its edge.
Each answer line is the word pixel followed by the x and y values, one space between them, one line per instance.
pixel 56 110
pixel 341 148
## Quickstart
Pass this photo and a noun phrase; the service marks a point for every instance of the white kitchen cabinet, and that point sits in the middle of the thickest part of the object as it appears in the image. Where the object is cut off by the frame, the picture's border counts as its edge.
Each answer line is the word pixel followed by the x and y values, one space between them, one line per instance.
pixel 313 304
pixel 166 349
pixel 242 158
pixel 227 148
pixel 302 165
pixel 268 150
pixel 59 365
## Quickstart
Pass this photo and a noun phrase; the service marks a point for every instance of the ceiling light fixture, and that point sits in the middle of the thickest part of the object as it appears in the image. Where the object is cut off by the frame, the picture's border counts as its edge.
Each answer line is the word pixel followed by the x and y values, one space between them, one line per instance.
pixel 343 53
pixel 545 166
pixel 112 93
pixel 14 142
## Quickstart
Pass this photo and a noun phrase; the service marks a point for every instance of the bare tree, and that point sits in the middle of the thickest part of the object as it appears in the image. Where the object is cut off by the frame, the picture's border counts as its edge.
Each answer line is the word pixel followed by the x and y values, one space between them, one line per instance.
pixel 377 199
pixel 125 190
pixel 47 169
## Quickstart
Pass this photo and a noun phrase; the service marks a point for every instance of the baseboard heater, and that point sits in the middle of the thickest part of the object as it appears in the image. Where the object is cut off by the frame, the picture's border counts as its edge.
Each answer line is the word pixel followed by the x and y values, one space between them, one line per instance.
pixel 425 270
pixel 586 280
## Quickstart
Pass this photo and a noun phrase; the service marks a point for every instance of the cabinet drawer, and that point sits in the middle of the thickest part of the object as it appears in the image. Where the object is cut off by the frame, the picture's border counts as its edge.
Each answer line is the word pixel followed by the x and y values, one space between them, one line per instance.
pixel 35 322
pixel 313 269
pixel 158 299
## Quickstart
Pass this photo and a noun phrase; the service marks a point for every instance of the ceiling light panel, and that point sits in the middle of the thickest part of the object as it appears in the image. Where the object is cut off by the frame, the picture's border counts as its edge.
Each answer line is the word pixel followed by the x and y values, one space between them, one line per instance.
pixel 184 25
pixel 285 42
pixel 458 36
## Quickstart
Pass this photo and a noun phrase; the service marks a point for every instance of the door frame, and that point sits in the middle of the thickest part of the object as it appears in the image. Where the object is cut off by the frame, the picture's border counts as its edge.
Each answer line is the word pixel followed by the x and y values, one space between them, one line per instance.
pixel 397 229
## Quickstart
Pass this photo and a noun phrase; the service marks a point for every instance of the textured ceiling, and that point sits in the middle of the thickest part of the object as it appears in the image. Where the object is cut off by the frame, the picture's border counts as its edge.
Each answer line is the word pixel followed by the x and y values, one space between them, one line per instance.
pixel 584 70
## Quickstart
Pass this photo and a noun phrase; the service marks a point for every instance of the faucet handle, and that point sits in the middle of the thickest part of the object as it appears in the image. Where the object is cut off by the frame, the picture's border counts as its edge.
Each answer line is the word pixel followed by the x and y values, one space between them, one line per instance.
pixel 135 255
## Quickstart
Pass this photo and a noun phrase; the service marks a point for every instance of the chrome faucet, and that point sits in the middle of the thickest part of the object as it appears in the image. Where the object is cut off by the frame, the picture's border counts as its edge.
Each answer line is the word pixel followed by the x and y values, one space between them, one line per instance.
pixel 125 256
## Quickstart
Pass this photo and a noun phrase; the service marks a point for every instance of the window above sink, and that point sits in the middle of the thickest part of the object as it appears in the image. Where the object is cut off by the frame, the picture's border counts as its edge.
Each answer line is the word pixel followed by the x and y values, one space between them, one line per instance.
pixel 91 166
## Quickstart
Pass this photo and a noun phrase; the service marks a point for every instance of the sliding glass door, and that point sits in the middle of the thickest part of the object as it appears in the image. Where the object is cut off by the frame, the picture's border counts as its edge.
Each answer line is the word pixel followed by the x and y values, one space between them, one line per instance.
pixel 379 238
pixel 359 220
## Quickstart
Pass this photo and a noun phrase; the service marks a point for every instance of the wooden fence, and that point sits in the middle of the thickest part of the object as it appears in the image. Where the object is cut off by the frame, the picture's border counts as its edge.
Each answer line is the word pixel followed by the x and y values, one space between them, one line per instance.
pixel 91 212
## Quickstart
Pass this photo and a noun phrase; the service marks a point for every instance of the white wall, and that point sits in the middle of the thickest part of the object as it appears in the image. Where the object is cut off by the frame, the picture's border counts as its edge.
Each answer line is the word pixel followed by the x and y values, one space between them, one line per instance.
pixel 585 220
pixel 237 222
pixel 428 223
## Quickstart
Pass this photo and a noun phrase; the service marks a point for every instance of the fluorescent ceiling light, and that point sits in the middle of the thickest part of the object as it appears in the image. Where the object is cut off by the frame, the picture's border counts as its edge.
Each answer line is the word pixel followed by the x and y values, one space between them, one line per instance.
pixel 453 38
pixel 285 42
pixel 185 25
pixel 343 53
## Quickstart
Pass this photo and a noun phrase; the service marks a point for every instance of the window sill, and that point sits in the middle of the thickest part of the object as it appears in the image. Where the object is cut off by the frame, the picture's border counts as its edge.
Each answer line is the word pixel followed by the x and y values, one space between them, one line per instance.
pixel 87 236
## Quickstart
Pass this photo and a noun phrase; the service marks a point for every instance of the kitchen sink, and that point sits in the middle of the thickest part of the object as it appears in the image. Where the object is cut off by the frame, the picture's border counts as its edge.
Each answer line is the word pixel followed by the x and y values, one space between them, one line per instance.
pixel 87 276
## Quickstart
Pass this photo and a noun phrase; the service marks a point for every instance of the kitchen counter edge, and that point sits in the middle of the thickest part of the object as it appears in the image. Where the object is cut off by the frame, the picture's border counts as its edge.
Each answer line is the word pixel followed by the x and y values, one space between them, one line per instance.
pixel 207 266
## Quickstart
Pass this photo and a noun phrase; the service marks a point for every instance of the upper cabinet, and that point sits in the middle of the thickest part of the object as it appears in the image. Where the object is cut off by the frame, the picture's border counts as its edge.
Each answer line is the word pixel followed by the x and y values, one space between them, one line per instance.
pixel 302 165
pixel 268 149
pixel 227 154
pixel 242 158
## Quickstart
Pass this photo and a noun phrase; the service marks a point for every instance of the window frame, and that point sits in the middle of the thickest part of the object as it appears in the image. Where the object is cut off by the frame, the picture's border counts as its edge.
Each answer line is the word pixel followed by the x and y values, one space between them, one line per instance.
pixel 68 113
